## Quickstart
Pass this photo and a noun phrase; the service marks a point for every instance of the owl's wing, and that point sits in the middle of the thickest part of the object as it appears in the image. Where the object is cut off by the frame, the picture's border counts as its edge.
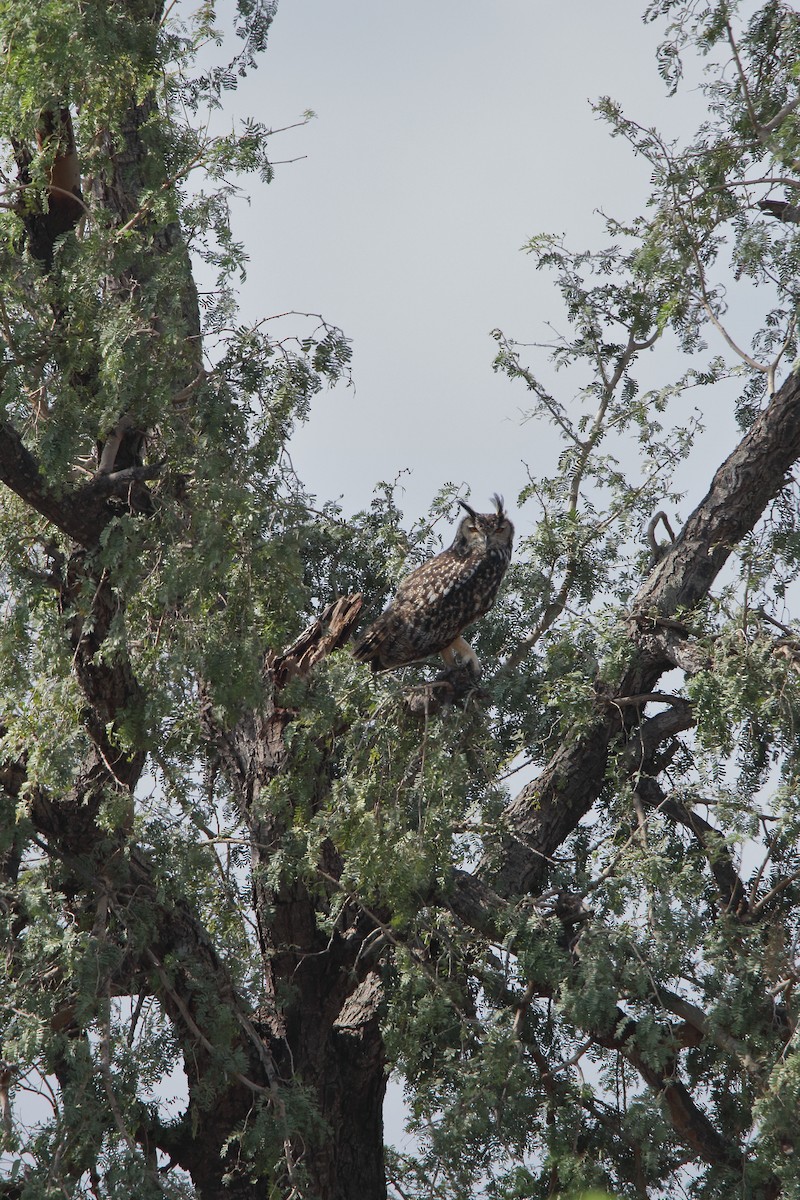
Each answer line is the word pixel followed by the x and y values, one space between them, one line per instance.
pixel 401 633
pixel 429 583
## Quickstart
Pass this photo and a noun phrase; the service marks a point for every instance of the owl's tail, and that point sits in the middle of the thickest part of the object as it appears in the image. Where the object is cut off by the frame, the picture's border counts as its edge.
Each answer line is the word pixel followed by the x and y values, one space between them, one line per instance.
pixel 370 646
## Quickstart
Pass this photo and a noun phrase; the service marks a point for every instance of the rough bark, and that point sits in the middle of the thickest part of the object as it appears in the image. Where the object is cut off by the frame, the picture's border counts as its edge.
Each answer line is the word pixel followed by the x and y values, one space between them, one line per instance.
pixel 322 992
pixel 59 211
pixel 82 514
pixel 546 811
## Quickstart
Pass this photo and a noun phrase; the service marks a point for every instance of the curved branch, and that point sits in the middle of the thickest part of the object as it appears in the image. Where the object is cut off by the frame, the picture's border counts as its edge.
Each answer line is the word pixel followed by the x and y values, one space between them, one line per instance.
pixel 82 514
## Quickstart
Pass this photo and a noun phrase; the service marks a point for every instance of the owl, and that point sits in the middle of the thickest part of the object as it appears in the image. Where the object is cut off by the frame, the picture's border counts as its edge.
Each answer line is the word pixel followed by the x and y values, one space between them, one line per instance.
pixel 435 603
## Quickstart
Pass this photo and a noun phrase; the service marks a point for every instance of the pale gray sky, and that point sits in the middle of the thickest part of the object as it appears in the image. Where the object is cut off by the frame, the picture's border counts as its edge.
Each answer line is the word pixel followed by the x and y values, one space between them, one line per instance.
pixel 447 133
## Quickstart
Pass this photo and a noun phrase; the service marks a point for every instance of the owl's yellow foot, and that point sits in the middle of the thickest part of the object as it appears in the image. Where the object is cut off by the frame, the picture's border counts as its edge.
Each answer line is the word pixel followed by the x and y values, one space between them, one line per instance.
pixel 465 652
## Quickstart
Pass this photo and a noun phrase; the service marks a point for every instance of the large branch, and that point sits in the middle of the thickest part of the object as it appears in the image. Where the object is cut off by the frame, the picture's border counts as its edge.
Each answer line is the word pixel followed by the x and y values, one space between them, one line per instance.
pixel 102 880
pixel 688 1120
pixel 548 809
pixel 82 514
pixel 252 753
pixel 46 220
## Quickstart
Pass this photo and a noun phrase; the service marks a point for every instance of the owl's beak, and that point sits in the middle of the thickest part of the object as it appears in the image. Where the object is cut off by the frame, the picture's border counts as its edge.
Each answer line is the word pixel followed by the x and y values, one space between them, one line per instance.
pixel 467 508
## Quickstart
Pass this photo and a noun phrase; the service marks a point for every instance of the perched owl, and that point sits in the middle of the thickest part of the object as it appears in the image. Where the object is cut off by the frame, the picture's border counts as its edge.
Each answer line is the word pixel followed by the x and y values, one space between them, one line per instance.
pixel 442 597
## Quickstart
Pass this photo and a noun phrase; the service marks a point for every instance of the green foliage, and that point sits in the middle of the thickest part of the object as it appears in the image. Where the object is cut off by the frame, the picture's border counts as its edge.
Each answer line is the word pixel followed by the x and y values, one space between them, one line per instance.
pixel 537 1046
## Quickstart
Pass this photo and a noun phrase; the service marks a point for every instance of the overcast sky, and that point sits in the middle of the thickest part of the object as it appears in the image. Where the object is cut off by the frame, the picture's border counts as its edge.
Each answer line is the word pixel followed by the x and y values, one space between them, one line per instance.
pixel 447 133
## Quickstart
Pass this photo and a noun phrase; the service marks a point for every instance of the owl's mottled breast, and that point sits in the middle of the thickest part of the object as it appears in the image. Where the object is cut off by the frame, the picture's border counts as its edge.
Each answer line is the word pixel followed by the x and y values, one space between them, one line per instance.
pixel 438 600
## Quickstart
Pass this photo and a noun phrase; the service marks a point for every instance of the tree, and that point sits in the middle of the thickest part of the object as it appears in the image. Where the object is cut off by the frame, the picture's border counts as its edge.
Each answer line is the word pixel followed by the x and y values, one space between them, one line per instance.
pixel 226 848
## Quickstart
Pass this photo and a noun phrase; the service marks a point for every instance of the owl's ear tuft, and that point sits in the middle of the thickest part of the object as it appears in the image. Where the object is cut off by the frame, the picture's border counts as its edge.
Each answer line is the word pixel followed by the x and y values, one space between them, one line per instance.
pixel 497 501
pixel 467 508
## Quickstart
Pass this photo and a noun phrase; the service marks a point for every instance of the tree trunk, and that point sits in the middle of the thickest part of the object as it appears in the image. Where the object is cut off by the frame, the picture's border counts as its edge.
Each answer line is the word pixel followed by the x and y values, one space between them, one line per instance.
pixel 323 992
